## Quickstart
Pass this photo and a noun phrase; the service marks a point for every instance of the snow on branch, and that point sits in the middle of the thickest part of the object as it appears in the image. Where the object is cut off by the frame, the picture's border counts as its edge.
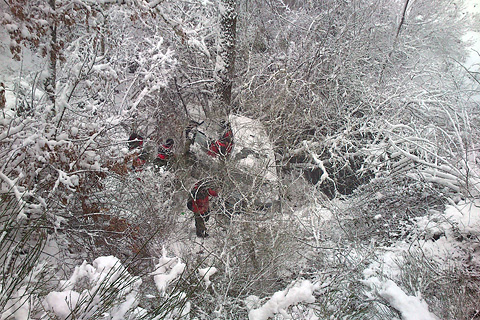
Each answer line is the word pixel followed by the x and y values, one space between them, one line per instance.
pixel 69 181
pixel 444 174
pixel 152 4
pixel 103 280
pixel 318 162
pixel 410 307
pixel 280 301
pixel 12 184
pixel 167 270
pixel 206 273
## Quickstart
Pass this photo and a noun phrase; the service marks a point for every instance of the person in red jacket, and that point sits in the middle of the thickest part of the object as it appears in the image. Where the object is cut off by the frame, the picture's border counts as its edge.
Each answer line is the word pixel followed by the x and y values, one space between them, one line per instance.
pixel 138 155
pixel 223 146
pixel 135 141
pixel 199 204
pixel 139 161
pixel 165 153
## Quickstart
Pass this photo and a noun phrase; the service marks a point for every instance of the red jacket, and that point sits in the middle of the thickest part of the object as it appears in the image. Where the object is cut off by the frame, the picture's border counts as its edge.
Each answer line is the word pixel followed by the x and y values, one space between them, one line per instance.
pixel 200 204
pixel 139 161
pixel 223 146
pixel 165 152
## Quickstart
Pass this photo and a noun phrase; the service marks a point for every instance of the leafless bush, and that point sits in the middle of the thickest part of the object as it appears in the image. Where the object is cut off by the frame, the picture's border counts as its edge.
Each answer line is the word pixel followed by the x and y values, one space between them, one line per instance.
pixel 22 241
pixel 123 217
pixel 332 97
pixel 385 209
pixel 437 282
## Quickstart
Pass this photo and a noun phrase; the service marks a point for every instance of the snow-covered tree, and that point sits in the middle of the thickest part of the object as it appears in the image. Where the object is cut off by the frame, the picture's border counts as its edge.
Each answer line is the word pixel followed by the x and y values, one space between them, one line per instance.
pixel 369 99
pixel 327 62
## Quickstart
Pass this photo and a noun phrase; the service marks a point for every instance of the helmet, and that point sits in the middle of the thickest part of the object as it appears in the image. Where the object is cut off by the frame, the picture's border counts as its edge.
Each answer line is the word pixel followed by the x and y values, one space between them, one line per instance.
pixel 169 142
pixel 135 141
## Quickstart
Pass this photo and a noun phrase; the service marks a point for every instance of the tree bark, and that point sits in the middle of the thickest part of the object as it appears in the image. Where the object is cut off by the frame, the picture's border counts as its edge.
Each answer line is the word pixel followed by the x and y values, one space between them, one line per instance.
pixel 395 41
pixel 52 54
pixel 225 60
pixel 3 100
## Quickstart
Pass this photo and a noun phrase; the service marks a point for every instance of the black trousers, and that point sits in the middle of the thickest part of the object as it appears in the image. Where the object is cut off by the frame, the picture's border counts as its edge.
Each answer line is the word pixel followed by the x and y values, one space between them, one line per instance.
pixel 200 222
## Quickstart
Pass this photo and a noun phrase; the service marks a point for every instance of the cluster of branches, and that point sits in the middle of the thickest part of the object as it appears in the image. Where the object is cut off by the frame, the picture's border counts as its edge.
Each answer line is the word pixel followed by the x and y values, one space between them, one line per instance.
pixel 360 90
pixel 348 75
pixel 99 71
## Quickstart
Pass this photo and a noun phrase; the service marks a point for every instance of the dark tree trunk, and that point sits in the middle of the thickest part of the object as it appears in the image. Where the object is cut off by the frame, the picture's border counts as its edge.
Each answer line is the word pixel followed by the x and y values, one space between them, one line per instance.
pixel 395 41
pixel 52 55
pixel 225 64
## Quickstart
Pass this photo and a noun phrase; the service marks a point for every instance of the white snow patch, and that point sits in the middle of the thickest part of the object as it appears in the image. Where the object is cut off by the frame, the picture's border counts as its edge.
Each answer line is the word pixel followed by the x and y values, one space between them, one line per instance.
pixel 466 215
pixel 62 303
pixel 299 292
pixel 206 273
pixel 250 134
pixel 472 6
pixel 105 68
pixel 410 307
pixel 439 243
pixel 103 272
pixel 167 270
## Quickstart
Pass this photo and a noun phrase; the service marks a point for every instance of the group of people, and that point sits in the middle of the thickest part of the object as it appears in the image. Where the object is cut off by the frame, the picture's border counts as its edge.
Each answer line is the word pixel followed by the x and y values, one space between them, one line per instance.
pixel 201 192
pixel 163 157
pixel 199 198
pixel 223 146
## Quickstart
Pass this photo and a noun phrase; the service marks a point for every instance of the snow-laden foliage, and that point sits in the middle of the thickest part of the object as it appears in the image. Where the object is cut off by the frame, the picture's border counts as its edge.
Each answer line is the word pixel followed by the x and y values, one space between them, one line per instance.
pixel 106 289
pixel 206 273
pixel 357 108
pixel 22 273
pixel 301 292
pixel 370 108
pixel 167 269
pixel 92 289
pixel 409 307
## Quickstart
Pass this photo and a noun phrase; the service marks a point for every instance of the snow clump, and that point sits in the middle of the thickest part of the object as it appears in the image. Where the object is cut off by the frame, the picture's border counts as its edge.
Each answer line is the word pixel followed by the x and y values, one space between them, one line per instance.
pixel 410 307
pixel 206 273
pixel 167 270
pixel 301 291
pixel 83 293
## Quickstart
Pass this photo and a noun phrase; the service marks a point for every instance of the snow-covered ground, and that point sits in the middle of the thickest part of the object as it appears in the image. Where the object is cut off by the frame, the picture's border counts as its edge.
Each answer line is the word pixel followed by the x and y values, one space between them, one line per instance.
pixel 440 239
pixel 440 243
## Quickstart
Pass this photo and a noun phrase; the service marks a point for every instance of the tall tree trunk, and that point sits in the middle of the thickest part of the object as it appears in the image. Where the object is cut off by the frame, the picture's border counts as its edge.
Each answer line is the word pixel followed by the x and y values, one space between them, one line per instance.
pixel 52 56
pixel 395 41
pixel 225 60
pixel 3 100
